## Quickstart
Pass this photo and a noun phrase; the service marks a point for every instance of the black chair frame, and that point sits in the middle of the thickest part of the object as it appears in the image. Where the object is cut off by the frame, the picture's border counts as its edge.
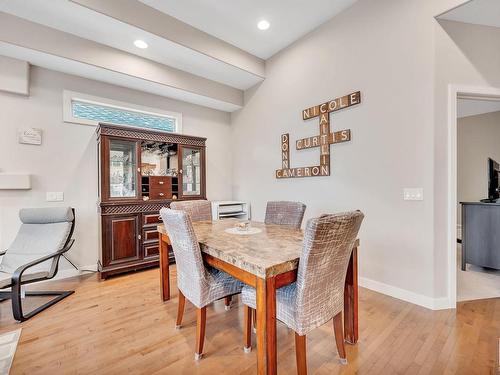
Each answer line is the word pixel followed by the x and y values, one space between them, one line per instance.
pixel 15 294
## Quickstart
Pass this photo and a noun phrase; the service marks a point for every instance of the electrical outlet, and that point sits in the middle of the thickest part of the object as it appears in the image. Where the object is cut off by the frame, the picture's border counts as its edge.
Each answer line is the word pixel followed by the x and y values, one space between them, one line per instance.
pixel 413 194
pixel 55 196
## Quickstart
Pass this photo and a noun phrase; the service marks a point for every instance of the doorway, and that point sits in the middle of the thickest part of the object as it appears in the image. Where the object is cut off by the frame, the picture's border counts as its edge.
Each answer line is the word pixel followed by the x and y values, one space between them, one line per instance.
pixel 468 106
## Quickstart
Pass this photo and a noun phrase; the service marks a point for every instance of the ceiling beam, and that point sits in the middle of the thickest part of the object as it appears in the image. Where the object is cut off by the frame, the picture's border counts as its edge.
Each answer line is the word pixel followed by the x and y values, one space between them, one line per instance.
pixel 63 45
pixel 135 13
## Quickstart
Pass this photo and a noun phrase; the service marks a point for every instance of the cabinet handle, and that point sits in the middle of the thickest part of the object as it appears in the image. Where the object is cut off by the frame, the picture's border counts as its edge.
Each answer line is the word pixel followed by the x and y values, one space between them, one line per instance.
pixel 161 194
pixel 161 182
pixel 139 170
pixel 180 171
pixel 160 219
pixel 139 236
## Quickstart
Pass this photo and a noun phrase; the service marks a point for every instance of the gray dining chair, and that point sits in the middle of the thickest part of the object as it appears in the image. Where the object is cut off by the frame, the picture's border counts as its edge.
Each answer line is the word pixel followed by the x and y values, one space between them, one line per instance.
pixel 199 210
pixel 282 213
pixel 318 294
pixel 285 213
pixel 196 283
pixel 44 236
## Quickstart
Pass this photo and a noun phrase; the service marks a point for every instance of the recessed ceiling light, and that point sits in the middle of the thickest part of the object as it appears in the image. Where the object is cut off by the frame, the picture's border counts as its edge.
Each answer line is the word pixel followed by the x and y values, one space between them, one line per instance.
pixel 140 44
pixel 263 25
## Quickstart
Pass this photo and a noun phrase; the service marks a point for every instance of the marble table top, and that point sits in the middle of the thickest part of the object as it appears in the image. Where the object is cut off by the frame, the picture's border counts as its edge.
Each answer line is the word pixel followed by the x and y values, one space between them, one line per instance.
pixel 275 250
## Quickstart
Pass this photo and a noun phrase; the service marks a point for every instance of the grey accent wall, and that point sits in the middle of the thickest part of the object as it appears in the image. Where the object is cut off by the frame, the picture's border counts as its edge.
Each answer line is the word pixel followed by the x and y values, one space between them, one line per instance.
pixel 402 60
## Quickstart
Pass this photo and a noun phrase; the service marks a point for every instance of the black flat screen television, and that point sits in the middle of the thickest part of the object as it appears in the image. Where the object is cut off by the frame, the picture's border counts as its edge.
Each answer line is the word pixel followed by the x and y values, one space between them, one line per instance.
pixel 493 172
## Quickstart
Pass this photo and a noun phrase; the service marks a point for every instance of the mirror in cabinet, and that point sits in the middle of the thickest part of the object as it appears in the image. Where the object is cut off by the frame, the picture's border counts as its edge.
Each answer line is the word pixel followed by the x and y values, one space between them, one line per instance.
pixel 191 171
pixel 122 169
pixel 159 166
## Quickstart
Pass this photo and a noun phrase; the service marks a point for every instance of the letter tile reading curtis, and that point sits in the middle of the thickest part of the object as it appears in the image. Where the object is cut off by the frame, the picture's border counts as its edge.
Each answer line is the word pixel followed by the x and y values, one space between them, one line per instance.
pixel 323 140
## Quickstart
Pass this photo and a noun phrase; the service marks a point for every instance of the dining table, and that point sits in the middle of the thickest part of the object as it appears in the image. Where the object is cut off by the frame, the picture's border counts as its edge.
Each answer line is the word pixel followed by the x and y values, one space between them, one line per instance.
pixel 265 257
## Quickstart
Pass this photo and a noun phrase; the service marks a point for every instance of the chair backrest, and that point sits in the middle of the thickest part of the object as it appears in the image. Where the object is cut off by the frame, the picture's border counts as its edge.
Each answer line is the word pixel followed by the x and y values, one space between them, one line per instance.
pixel 43 231
pixel 285 213
pixel 199 210
pixel 191 273
pixel 328 243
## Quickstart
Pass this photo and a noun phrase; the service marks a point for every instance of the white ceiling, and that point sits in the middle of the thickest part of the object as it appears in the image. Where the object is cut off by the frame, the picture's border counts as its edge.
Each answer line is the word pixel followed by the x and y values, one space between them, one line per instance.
pixel 221 71
pixel 479 12
pixel 97 73
pixel 235 21
pixel 472 107
pixel 80 21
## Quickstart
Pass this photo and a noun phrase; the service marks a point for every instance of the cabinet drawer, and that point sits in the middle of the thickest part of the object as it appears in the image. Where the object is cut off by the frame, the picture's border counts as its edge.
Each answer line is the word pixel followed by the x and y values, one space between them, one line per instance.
pixel 152 219
pixel 160 182
pixel 151 251
pixel 160 193
pixel 150 235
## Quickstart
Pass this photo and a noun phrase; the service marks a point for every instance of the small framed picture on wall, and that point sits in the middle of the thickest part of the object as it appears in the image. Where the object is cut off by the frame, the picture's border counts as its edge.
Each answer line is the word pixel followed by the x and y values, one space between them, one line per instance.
pixel 29 136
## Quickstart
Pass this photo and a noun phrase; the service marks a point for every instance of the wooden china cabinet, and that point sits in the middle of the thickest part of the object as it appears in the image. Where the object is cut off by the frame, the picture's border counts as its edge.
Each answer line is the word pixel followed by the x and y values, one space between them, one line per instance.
pixel 141 171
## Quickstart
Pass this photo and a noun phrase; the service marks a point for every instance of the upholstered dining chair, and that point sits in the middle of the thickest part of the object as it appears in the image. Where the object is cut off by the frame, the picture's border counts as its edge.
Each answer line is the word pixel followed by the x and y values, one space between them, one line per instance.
pixel 44 236
pixel 199 285
pixel 318 294
pixel 199 210
pixel 282 213
pixel 285 213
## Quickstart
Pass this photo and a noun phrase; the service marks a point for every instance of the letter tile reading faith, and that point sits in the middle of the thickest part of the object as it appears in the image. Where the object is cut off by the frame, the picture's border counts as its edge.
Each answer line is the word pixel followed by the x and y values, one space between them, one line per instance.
pixel 323 140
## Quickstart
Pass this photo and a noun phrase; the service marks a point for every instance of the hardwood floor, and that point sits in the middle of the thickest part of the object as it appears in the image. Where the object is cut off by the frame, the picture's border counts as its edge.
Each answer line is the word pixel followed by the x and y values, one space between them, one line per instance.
pixel 121 326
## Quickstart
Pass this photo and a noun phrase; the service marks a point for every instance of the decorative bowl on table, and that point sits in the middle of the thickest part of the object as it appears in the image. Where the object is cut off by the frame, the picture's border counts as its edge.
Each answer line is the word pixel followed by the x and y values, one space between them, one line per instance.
pixel 242 226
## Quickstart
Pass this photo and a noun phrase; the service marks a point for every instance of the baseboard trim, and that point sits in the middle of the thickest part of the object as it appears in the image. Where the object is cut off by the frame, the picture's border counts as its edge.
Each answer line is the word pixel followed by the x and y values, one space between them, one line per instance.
pixel 406 295
pixel 71 272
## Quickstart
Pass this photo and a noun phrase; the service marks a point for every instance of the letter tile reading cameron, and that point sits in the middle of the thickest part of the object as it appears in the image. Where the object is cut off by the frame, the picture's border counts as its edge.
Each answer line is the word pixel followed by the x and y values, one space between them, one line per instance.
pixel 323 140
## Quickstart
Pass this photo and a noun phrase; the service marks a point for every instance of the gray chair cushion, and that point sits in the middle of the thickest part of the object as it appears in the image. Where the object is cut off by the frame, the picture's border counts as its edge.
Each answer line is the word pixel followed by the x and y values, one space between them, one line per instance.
pixel 44 231
pixel 285 303
pixel 46 215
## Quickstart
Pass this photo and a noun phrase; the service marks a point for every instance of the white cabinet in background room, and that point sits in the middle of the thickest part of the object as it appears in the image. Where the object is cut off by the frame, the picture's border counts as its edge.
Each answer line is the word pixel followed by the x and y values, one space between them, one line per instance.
pixel 230 209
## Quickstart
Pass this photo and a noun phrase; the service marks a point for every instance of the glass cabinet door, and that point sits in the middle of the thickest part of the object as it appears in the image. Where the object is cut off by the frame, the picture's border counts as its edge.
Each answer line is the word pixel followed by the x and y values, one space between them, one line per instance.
pixel 122 169
pixel 191 171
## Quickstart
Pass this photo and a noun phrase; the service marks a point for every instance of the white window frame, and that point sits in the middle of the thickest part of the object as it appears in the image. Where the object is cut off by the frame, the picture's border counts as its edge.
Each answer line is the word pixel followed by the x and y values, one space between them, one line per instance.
pixel 70 96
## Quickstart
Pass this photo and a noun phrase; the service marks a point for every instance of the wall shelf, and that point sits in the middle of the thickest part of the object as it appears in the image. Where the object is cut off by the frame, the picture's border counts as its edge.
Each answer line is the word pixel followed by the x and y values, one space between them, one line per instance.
pixel 15 181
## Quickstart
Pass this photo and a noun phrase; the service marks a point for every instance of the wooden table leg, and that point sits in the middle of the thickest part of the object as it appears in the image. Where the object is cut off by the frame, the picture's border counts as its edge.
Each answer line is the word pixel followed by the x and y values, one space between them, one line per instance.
pixel 164 269
pixel 267 363
pixel 351 299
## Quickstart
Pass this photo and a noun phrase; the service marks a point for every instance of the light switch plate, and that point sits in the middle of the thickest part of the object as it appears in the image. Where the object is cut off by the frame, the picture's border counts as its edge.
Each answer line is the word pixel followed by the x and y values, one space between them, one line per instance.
pixel 413 194
pixel 55 196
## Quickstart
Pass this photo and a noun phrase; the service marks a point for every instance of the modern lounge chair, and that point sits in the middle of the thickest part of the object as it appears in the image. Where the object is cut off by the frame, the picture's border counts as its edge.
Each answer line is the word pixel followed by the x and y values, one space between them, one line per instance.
pixel 44 236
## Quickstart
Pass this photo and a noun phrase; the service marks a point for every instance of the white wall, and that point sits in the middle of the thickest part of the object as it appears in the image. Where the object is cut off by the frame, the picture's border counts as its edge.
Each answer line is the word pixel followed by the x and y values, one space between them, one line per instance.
pixel 388 50
pixel 67 159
